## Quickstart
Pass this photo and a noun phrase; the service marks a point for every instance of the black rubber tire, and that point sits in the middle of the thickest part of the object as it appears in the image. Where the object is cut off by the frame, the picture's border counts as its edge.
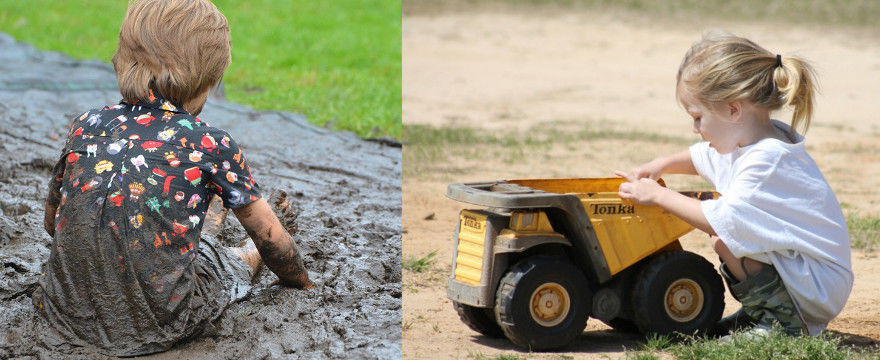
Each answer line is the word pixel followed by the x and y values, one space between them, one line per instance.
pixel 481 320
pixel 513 298
pixel 622 325
pixel 656 278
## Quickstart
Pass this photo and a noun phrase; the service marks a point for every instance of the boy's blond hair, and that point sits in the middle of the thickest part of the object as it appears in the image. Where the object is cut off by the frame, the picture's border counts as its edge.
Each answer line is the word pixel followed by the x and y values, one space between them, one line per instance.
pixel 178 47
pixel 723 68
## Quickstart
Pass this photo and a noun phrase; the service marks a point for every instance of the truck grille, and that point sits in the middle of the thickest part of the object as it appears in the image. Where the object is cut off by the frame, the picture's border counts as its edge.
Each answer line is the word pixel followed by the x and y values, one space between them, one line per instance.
pixel 471 245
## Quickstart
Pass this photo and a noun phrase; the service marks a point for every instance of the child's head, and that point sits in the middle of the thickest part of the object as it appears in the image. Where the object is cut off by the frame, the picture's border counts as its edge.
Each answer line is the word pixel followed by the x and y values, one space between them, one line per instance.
pixel 722 68
pixel 178 47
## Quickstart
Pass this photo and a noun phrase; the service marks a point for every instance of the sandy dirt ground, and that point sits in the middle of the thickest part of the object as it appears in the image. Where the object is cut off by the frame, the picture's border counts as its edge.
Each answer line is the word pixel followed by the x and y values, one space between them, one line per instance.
pixel 510 72
pixel 342 192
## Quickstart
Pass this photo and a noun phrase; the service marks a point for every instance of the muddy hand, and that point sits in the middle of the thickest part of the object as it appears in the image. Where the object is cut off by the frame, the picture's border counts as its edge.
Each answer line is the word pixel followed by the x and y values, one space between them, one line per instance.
pixel 303 282
pixel 274 243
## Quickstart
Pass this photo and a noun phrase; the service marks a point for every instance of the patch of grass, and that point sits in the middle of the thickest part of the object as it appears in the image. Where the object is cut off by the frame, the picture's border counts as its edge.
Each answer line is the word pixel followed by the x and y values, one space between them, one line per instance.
pixel 864 231
pixel 508 357
pixel 480 356
pixel 336 62
pixel 656 342
pixel 776 345
pixel 641 356
pixel 428 144
pixel 420 264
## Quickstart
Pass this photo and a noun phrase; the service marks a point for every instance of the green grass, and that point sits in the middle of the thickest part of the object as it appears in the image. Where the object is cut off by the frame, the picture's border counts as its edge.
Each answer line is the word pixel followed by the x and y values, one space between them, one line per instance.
pixel 657 342
pixel 777 345
pixel 847 13
pixel 864 231
pixel 426 144
pixel 481 356
pixel 336 62
pixel 420 264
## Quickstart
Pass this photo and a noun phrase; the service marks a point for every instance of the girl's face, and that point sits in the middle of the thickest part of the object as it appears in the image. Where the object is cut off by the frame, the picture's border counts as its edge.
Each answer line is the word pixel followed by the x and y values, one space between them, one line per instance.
pixel 714 123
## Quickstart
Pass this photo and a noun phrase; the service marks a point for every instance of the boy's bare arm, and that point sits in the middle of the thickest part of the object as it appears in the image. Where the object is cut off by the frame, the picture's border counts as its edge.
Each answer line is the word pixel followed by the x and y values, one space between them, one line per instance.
pixel 49 217
pixel 275 245
pixel 54 197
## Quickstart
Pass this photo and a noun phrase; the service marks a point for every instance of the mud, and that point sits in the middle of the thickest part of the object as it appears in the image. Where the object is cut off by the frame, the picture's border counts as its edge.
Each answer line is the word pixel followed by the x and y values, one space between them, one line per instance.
pixel 341 192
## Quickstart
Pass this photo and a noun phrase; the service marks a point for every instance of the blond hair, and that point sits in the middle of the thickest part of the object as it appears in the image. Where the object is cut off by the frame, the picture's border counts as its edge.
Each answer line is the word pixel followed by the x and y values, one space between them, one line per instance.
pixel 178 47
pixel 723 68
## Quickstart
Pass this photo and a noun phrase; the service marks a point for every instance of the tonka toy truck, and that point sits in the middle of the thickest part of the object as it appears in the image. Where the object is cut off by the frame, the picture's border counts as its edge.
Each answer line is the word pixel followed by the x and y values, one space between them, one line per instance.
pixel 544 255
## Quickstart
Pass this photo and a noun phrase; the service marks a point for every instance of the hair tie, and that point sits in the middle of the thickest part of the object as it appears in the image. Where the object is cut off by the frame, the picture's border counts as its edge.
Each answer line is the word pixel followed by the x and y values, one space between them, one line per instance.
pixel 778 60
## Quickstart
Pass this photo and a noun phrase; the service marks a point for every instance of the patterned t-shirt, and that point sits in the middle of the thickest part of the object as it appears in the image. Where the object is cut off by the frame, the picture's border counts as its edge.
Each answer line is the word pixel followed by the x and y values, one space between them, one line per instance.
pixel 135 182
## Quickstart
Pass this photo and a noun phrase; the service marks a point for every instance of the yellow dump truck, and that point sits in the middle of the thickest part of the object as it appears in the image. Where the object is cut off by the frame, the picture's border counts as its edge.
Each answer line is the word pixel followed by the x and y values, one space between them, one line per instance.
pixel 544 255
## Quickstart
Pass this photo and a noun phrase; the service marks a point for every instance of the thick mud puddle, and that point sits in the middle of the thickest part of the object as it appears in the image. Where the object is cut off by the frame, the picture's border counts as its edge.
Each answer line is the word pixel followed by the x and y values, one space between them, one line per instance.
pixel 343 194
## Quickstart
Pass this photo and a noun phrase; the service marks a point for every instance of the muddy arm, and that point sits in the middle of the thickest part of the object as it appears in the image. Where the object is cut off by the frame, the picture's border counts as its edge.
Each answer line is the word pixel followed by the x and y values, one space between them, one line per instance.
pixel 275 245
pixel 54 197
pixel 49 218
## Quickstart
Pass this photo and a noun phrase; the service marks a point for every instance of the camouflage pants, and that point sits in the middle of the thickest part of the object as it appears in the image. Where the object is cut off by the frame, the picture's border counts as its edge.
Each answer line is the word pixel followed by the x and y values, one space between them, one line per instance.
pixel 765 299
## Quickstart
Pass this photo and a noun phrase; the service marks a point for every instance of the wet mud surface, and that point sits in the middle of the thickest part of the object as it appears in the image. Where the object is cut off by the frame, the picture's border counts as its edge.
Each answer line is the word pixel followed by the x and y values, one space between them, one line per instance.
pixel 341 192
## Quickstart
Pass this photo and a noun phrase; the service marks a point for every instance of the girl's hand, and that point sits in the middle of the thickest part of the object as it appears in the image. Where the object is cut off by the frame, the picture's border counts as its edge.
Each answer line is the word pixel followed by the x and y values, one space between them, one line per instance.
pixel 643 191
pixel 651 170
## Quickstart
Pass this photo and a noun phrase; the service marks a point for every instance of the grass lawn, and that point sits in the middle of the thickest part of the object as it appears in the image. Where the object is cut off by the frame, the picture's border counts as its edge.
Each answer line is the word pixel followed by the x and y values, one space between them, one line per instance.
pixel 336 62
pixel 776 345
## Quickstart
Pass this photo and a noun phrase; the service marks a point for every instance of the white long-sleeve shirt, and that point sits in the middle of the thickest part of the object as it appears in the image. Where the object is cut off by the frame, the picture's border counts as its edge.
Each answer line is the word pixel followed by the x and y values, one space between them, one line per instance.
pixel 777 208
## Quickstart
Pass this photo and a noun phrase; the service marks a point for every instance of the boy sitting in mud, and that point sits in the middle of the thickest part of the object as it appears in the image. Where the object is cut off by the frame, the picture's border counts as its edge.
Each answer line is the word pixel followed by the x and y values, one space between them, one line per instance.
pixel 128 270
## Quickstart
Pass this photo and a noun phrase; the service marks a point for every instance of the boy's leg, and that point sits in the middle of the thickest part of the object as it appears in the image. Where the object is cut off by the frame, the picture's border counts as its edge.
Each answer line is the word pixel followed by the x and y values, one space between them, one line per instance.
pixel 214 217
pixel 247 251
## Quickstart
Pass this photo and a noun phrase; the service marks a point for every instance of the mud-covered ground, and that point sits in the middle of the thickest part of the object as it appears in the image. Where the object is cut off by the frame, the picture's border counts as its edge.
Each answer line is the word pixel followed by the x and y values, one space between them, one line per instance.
pixel 344 196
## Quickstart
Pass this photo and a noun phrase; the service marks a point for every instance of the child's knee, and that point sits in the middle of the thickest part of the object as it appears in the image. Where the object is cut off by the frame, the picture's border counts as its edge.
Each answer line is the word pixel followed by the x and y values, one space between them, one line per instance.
pixel 765 299
pixel 720 248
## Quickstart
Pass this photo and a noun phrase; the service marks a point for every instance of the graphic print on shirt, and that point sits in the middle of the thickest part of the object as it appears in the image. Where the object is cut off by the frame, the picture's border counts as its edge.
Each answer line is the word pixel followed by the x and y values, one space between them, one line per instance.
pixel 147 170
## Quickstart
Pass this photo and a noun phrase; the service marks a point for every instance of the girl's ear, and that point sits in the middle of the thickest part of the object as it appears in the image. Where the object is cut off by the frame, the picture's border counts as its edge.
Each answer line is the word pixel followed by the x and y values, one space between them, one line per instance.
pixel 735 110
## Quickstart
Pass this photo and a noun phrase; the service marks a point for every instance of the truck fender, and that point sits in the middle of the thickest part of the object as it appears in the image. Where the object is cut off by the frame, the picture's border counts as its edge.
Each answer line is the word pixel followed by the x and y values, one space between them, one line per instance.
pixel 510 243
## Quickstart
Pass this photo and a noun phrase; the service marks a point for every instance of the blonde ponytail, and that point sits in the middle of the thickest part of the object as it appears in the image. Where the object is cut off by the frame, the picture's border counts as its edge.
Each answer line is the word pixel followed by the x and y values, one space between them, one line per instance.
pixel 722 68
pixel 795 83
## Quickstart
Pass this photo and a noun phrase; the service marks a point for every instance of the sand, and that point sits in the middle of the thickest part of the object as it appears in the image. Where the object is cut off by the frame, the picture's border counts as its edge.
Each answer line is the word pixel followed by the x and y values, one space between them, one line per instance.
pixel 507 70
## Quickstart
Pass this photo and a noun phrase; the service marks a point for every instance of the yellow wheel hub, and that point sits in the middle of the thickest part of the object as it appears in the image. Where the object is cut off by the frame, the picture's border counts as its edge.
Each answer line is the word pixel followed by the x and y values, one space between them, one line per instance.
pixel 549 304
pixel 683 300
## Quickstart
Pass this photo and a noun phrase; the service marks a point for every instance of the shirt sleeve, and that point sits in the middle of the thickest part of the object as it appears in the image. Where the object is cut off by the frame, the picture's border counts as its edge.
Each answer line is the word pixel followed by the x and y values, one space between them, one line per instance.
pixel 703 161
pixel 230 174
pixel 745 218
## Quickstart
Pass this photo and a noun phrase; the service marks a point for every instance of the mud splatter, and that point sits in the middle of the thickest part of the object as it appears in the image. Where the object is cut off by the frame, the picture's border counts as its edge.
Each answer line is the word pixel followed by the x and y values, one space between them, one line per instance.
pixel 341 192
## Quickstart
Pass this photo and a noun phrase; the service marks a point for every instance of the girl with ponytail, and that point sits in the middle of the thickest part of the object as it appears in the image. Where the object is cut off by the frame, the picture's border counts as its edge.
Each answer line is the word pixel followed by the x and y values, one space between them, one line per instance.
pixel 778 227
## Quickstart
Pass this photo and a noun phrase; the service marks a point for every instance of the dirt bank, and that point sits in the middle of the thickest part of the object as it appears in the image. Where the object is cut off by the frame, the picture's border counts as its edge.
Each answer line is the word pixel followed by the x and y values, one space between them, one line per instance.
pixel 600 86
pixel 345 190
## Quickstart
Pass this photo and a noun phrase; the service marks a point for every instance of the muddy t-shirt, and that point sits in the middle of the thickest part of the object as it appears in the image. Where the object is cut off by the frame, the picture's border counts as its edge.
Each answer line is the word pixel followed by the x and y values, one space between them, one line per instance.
pixel 135 182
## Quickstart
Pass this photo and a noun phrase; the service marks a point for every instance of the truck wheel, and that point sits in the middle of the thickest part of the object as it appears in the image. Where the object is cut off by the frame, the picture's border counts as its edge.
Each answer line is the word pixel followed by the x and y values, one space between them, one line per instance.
pixel 678 291
pixel 481 320
pixel 543 303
